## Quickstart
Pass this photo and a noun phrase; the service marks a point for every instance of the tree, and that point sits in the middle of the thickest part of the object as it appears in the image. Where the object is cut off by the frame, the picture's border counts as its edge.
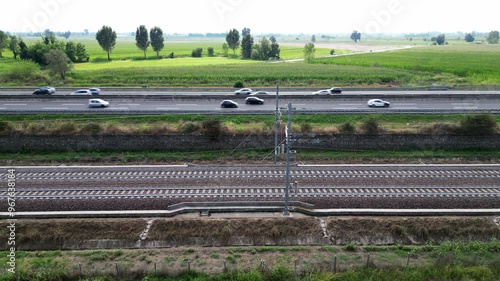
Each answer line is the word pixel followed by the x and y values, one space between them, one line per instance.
pixel 81 53
pixel 106 37
pixel 142 39
pixel 197 53
pixel 313 38
pixel 469 38
pixel 233 39
pixel 441 39
pixel 275 48
pixel 246 46
pixel 356 36
pixel 66 34
pixel 3 41
pixel 493 37
pixel 156 35
pixel 210 51
pixel 71 51
pixel 245 32
pixel 24 54
pixel 58 63
pixel 14 45
pixel 265 48
pixel 225 49
pixel 309 52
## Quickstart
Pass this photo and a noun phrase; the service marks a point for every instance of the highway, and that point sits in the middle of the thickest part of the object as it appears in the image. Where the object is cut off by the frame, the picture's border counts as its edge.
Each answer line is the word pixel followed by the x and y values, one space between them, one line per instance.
pixel 93 188
pixel 210 103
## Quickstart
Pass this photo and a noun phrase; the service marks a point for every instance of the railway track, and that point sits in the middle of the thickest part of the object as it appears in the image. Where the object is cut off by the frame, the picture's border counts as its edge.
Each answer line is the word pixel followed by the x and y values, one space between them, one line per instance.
pixel 207 182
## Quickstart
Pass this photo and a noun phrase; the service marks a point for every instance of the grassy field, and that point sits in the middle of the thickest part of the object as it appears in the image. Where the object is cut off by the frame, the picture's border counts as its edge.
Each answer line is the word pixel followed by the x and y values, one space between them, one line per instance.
pixel 469 64
pixel 454 64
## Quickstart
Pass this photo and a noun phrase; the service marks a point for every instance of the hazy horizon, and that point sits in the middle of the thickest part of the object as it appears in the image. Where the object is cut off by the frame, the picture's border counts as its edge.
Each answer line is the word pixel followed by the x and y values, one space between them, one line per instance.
pixel 262 17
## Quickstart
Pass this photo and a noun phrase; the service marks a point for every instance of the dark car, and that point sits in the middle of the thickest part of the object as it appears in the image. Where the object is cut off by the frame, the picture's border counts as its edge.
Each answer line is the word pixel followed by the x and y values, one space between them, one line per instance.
pixel 254 100
pixel 228 104
pixel 44 91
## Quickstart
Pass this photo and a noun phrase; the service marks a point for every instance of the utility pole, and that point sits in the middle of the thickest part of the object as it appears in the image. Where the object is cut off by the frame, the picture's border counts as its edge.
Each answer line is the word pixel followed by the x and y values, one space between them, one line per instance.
pixel 288 144
pixel 276 125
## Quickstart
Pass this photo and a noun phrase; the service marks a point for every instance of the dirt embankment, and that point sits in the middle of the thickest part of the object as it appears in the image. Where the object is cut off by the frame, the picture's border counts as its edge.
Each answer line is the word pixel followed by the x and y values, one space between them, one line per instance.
pixel 195 231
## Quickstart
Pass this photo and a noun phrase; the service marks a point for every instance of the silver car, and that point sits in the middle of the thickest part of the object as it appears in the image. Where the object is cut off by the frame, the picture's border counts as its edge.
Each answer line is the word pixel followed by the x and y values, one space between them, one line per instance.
pixel 378 103
pixel 98 103
pixel 85 92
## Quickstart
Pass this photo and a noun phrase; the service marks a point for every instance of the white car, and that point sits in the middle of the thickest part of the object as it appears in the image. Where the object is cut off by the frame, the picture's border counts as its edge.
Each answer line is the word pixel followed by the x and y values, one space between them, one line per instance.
pixel 95 91
pixel 378 103
pixel 85 92
pixel 98 103
pixel 322 93
pixel 244 91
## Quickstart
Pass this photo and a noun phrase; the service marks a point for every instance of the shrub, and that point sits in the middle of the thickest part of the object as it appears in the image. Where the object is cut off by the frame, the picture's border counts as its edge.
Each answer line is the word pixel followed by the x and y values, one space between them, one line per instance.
pixel 24 71
pixel 440 129
pixel 332 51
pixel 66 129
pixel 347 128
pixel 190 127
pixel 351 247
pixel 91 128
pixel 305 127
pixel 370 126
pixel 197 53
pixel 239 84
pixel 477 125
pixel 212 128
pixel 5 127
pixel 210 52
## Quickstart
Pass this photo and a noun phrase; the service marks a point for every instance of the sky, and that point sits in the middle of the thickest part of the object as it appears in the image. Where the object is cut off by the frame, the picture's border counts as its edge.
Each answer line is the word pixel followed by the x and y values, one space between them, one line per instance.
pixel 261 16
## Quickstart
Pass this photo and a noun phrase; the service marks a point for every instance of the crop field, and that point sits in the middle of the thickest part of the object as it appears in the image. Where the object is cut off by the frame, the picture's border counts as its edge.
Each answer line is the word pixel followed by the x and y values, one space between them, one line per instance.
pixel 454 64
pixel 463 64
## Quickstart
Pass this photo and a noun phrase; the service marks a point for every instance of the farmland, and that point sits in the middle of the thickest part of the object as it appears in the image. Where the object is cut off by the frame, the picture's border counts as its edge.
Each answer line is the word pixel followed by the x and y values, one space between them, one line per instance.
pixel 422 65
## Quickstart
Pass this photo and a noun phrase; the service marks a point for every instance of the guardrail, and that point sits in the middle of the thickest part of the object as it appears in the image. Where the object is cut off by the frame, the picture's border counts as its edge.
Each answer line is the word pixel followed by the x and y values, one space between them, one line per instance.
pixel 269 112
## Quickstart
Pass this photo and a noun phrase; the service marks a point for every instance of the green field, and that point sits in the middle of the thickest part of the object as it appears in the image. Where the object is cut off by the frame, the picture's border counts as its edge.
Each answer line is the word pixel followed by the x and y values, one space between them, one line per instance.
pixel 454 64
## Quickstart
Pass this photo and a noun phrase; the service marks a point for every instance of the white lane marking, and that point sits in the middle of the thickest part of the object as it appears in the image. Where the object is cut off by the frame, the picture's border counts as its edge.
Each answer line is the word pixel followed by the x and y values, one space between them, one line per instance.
pixel 73 104
pixel 129 104
pixel 350 104
pixel 1 108
pixel 167 108
pixel 405 104
pixel 186 104
pixel 16 104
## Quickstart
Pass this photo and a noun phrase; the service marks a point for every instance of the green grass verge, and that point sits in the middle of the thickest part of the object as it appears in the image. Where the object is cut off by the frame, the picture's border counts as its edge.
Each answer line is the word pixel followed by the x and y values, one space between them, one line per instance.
pixel 257 155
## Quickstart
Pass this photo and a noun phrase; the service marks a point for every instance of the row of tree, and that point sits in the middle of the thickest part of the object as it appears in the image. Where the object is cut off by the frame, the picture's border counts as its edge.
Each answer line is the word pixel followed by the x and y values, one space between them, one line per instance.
pixel 76 52
pixel 106 37
pixel 264 50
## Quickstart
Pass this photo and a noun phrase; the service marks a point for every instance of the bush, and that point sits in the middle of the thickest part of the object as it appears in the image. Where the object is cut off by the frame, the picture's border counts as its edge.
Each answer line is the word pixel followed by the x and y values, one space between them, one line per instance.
pixel 24 71
pixel 305 127
pixel 197 53
pixel 440 129
pixel 210 52
pixel 190 127
pixel 91 128
pixel 332 51
pixel 370 126
pixel 239 84
pixel 347 128
pixel 5 127
pixel 350 247
pixel 478 125
pixel 212 128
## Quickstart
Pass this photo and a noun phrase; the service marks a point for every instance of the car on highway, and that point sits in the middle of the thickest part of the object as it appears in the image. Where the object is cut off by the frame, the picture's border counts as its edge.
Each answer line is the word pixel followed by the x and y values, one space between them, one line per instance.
pixel 46 90
pixel 336 90
pixel 228 104
pixel 322 93
pixel 98 103
pixel 254 100
pixel 95 91
pixel 378 103
pixel 260 93
pixel 243 91
pixel 84 92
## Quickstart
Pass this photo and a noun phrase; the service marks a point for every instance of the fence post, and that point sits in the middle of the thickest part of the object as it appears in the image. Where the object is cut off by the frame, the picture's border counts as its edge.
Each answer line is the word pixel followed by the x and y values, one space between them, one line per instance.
pixel 189 265
pixel 408 259
pixel 225 266
pixel 368 260
pixel 117 271
pixel 155 268
pixel 80 266
pixel 296 261
pixel 335 264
